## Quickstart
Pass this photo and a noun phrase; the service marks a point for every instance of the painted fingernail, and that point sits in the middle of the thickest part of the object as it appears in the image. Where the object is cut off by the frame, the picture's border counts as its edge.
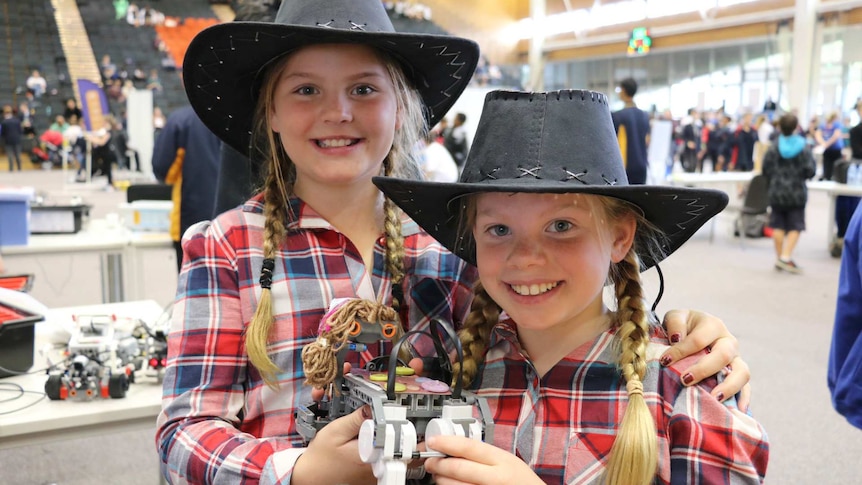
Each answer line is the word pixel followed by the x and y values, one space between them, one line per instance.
pixel 366 412
pixel 675 337
pixel 686 379
pixel 665 360
pixel 720 397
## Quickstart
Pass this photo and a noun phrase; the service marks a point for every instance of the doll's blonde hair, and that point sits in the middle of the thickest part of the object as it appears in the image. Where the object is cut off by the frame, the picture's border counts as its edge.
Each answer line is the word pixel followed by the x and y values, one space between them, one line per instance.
pixel 278 187
pixel 634 456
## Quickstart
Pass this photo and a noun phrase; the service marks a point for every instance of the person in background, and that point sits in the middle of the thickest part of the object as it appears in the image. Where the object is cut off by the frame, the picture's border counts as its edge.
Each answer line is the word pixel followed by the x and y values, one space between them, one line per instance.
pixel 845 205
pixel 829 137
pixel 744 140
pixel 690 135
pixel 633 132
pixel 845 355
pixel 577 390
pixel 37 84
pixel 72 108
pixel 186 156
pixel 101 152
pixel 765 129
pixel 330 109
pixel 455 140
pixel 787 165
pixel 12 135
pixel 436 162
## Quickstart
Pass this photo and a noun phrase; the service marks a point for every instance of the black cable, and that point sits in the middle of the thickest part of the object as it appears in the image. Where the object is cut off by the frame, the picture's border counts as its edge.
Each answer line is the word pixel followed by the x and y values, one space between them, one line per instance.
pixel 12 387
pixel 660 288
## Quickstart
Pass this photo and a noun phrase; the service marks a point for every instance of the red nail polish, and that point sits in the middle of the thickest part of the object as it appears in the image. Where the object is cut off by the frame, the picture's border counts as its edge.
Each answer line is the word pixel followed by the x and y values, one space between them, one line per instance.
pixel 720 397
pixel 674 338
pixel 665 360
pixel 686 379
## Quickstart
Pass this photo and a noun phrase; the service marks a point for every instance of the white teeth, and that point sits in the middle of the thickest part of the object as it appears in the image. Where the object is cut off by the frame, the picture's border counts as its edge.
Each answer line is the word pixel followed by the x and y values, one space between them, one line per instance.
pixel 335 143
pixel 532 289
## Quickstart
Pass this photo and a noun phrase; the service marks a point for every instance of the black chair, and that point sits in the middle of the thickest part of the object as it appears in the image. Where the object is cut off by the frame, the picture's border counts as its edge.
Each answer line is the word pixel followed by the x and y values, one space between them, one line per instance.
pixel 755 203
pixel 148 192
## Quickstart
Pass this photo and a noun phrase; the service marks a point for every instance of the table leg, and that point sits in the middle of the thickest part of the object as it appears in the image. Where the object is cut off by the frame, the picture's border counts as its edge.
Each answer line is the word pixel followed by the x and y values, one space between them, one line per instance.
pixel 112 277
pixel 830 224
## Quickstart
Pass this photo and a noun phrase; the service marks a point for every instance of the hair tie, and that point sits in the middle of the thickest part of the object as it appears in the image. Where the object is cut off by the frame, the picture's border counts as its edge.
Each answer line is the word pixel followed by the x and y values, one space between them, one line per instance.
pixel 635 386
pixel 266 273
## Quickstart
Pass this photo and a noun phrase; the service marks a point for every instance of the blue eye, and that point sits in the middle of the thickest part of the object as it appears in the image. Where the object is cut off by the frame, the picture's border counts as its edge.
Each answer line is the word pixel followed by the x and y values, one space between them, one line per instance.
pixel 499 230
pixel 561 226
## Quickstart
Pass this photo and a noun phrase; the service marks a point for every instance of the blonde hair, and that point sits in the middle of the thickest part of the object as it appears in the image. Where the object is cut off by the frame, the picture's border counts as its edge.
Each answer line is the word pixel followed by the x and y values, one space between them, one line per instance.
pixel 280 176
pixel 634 456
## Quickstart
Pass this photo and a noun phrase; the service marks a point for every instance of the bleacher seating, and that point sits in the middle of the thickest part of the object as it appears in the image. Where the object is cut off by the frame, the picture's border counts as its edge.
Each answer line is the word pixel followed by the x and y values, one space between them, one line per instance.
pixel 31 41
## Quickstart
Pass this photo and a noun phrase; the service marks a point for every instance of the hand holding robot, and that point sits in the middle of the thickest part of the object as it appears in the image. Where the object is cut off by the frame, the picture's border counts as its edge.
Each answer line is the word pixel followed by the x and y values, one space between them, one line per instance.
pixel 404 408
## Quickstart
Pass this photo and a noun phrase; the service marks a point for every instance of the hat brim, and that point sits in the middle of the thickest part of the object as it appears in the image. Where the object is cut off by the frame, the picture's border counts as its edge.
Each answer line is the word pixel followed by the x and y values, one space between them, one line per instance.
pixel 677 212
pixel 223 62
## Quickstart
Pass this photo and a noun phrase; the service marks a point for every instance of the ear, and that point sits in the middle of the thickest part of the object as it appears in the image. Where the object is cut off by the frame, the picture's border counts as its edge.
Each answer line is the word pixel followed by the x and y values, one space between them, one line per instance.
pixel 623 235
pixel 273 118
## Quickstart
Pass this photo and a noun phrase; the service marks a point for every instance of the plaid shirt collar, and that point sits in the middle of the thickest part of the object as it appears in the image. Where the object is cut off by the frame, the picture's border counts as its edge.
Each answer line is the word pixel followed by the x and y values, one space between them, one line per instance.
pixel 310 219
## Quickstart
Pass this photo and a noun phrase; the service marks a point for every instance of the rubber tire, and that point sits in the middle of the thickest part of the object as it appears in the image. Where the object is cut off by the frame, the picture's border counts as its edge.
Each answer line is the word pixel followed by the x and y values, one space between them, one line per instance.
pixel 53 386
pixel 118 384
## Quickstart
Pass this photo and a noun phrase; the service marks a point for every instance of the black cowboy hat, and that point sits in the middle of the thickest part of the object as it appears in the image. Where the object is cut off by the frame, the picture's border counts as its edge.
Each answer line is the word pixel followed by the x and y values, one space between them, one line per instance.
pixel 556 142
pixel 223 63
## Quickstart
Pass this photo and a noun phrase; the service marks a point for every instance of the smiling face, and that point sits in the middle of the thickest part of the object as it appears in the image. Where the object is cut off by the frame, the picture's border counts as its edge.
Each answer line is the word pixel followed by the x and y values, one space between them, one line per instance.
pixel 334 108
pixel 544 258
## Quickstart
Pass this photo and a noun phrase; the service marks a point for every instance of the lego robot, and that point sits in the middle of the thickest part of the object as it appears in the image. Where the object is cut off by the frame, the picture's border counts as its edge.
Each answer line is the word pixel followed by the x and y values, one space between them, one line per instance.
pixel 102 362
pixel 402 416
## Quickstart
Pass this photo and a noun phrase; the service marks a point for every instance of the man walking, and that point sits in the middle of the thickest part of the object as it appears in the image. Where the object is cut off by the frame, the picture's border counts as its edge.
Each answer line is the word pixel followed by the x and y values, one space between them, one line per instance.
pixel 633 132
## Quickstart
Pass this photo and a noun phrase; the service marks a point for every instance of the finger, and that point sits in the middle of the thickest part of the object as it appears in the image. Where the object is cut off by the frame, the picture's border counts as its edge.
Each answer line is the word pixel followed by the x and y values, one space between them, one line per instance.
pixel 462 447
pixel 346 428
pixel 744 398
pixel 455 471
pixel 734 382
pixel 317 394
pixel 675 322
pixel 710 364
pixel 704 330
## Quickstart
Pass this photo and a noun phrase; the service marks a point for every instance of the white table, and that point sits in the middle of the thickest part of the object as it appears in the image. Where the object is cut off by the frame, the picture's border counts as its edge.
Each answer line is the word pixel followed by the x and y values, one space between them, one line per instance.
pixel 119 250
pixel 833 190
pixel 699 179
pixel 48 421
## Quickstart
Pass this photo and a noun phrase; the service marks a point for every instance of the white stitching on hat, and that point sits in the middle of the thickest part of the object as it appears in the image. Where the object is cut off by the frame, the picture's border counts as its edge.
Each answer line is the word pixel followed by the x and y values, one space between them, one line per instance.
pixel 530 171
pixel 489 175
pixel 327 25
pixel 574 176
pixel 355 26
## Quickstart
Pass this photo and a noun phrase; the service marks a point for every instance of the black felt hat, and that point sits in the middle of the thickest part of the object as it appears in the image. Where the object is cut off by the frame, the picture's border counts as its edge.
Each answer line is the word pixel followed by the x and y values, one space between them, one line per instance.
pixel 556 142
pixel 223 63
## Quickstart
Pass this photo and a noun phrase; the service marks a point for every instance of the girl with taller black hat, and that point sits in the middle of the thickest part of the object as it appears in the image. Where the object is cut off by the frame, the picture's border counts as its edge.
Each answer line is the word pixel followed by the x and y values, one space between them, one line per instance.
pixel 577 389
pixel 327 96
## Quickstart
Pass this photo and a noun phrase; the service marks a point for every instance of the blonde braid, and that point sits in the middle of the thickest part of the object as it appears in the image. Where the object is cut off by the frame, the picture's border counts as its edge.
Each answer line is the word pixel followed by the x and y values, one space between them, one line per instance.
pixel 392 228
pixel 476 332
pixel 634 455
pixel 257 334
pixel 320 358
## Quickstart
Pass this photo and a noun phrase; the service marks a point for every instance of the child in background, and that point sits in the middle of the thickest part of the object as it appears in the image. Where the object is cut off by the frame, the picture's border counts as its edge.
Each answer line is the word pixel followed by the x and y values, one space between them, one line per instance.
pixel 579 391
pixel 328 96
pixel 788 164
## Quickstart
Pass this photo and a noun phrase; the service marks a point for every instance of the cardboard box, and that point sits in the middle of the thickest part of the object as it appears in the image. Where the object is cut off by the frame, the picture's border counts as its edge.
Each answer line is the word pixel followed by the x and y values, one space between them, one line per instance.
pixel 17 340
pixel 15 216
pixel 57 219
pixel 147 215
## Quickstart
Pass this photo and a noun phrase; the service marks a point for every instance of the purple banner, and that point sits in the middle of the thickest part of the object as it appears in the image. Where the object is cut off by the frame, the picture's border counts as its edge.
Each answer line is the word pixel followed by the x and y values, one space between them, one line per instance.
pixel 94 103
